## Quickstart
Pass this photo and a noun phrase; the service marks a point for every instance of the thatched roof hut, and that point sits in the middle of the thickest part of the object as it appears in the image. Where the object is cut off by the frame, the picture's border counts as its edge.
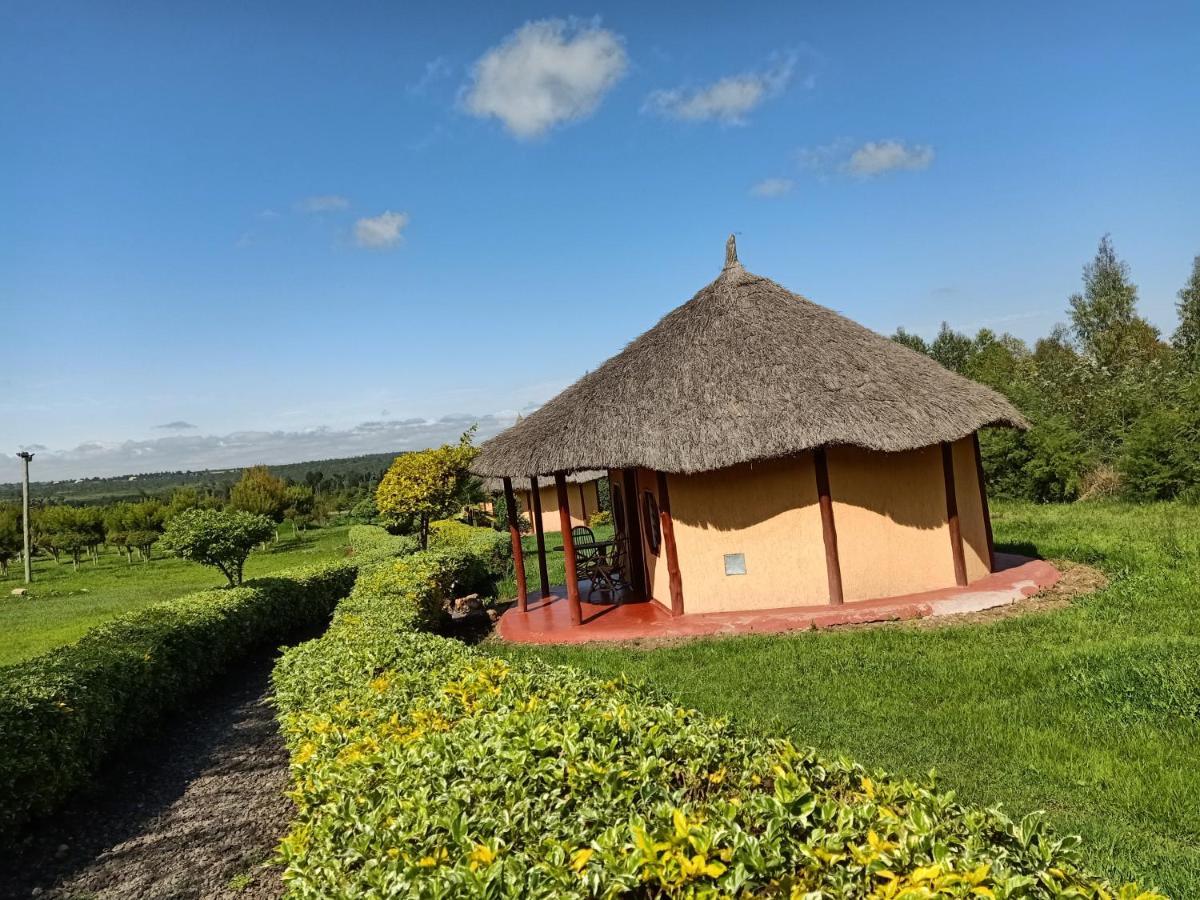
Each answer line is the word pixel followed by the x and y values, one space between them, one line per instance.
pixel 745 370
pixel 746 418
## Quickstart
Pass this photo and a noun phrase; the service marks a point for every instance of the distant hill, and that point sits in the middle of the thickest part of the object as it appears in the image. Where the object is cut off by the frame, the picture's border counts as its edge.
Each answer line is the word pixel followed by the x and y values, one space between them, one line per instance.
pixel 350 470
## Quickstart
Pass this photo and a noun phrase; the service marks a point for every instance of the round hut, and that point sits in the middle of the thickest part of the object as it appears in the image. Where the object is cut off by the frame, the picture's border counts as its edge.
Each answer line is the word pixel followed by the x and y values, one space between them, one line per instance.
pixel 764 451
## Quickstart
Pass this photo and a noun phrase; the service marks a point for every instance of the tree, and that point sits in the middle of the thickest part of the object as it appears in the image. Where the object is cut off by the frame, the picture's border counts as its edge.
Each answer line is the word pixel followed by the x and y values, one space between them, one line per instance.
pixel 1104 317
pixel 134 526
pixel 1186 339
pixel 261 493
pixel 422 486
pixel 952 349
pixel 70 529
pixel 185 498
pixel 11 539
pixel 300 505
pixel 220 538
pixel 911 341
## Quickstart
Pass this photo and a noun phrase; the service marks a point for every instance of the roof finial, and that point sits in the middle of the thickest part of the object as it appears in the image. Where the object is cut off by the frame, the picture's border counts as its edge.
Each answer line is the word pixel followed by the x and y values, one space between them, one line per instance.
pixel 731 252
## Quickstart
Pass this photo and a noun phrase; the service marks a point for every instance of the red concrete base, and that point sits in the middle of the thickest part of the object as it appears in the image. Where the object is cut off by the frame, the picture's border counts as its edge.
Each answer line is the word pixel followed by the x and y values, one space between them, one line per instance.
pixel 548 620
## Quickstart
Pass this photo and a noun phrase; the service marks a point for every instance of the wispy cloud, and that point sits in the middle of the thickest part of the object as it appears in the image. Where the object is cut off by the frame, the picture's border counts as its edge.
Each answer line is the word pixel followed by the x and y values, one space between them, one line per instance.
pixel 545 74
pixel 177 425
pixel 381 231
pixel 435 70
pixel 727 100
pixel 772 187
pixel 877 157
pixel 320 203
pixel 244 448
pixel 868 160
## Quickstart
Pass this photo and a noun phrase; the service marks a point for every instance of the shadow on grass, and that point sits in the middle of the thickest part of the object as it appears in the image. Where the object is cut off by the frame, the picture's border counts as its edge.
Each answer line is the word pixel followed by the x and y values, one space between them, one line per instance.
pixel 1021 548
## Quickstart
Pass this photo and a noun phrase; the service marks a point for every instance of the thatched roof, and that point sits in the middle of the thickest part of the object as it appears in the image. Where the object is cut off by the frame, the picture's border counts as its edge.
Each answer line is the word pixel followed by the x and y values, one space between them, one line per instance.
pixel 745 370
pixel 496 485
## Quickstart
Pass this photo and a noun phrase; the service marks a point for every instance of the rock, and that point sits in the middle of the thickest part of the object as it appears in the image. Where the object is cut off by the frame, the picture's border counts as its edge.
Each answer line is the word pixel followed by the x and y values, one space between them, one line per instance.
pixel 62 850
pixel 20 592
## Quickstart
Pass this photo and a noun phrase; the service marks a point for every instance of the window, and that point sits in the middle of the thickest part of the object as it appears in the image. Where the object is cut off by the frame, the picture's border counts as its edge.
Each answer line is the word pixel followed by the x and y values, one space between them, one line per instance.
pixel 653 525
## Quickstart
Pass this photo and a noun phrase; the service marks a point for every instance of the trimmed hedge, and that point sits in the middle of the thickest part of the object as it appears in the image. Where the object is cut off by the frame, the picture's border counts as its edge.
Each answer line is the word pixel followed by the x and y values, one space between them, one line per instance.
pixel 63 713
pixel 374 540
pixel 480 556
pixel 425 768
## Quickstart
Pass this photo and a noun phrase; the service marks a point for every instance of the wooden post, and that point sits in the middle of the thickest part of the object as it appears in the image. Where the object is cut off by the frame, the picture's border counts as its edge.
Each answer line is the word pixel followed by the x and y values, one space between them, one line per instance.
pixel 983 501
pixel 514 532
pixel 633 534
pixel 956 544
pixel 833 564
pixel 668 539
pixel 583 504
pixel 564 521
pixel 539 531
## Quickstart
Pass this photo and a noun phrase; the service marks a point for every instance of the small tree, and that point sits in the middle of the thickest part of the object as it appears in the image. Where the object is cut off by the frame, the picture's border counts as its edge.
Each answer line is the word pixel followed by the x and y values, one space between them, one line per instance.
pixel 422 486
pixel 261 493
pixel 300 506
pixel 1187 335
pixel 217 538
pixel 11 540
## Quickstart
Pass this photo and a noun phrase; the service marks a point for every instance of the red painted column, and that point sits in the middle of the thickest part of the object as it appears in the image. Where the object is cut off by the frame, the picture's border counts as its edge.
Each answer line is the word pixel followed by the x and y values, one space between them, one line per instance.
pixel 668 539
pixel 956 543
pixel 564 521
pixel 535 513
pixel 983 501
pixel 514 532
pixel 833 564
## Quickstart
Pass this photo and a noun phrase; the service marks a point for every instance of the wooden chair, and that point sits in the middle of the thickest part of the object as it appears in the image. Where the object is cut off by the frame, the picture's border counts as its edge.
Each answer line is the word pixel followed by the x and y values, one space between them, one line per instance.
pixel 609 574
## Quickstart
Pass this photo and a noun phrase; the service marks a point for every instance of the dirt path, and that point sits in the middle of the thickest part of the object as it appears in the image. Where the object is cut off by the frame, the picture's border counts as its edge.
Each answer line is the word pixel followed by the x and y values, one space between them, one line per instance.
pixel 193 814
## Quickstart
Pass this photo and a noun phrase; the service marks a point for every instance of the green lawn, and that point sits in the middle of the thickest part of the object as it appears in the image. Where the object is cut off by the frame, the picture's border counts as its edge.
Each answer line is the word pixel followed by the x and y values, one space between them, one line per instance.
pixel 1091 713
pixel 62 604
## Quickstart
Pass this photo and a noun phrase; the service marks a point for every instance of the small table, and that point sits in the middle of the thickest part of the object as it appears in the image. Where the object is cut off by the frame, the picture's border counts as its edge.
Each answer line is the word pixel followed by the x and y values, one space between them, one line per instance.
pixel 600 549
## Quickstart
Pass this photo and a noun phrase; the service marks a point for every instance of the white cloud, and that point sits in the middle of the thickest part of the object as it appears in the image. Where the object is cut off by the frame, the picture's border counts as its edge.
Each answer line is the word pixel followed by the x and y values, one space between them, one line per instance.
pixel 381 231
pixel 544 74
pixel 435 70
pixel 877 157
pixel 727 100
pixel 323 203
pixel 194 452
pixel 865 160
pixel 772 187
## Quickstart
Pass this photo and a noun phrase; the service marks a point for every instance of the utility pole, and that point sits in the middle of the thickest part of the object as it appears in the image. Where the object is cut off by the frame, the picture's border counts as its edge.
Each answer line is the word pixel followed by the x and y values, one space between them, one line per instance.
pixel 27 456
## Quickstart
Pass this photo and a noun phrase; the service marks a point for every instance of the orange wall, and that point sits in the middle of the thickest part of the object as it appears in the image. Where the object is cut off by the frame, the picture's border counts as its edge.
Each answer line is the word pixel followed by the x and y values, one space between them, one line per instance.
pixel 890 513
pixel 766 511
pixel 549 495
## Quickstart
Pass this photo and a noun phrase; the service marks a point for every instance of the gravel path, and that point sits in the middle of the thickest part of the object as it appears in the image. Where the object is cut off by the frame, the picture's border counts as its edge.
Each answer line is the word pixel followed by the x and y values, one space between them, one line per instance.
pixel 193 814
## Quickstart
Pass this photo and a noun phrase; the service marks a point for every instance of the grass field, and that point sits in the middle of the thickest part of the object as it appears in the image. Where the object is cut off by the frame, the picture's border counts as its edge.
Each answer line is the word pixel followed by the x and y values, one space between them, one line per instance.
pixel 62 604
pixel 1091 713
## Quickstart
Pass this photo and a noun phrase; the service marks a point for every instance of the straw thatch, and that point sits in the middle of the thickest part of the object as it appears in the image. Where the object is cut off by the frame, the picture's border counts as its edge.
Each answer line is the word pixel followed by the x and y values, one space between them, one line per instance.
pixel 496 485
pixel 745 370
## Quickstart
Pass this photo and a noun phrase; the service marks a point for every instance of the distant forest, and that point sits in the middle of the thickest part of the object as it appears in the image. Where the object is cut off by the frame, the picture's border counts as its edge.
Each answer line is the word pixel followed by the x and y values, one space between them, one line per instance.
pixel 336 474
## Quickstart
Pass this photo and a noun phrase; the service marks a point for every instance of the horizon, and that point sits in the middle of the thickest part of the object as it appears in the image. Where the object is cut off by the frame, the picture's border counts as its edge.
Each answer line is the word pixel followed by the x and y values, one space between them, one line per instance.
pixel 285 232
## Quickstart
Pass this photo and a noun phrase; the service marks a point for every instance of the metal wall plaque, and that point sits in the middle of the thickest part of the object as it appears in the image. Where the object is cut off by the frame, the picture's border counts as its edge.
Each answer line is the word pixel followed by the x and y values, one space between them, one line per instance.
pixel 735 563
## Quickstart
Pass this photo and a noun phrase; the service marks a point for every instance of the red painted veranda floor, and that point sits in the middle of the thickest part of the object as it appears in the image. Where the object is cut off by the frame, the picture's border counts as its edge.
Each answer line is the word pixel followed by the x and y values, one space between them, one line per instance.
pixel 548 621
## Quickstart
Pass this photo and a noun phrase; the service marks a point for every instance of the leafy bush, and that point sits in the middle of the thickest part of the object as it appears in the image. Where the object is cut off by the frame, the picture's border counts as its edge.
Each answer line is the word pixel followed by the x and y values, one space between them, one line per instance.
pixel 426 768
pixel 63 713
pixel 217 538
pixel 600 518
pixel 373 540
pixel 481 556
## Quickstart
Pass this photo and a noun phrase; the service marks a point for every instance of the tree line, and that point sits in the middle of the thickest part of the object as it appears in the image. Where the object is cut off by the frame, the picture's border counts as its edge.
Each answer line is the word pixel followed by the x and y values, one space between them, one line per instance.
pixel 63 531
pixel 1115 407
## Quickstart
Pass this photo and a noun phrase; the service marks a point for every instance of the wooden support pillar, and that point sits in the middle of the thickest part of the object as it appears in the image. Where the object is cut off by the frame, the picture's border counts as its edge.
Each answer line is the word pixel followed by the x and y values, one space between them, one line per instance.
pixel 983 501
pixel 956 544
pixel 514 532
pixel 539 531
pixel 668 540
pixel 583 504
pixel 833 564
pixel 564 521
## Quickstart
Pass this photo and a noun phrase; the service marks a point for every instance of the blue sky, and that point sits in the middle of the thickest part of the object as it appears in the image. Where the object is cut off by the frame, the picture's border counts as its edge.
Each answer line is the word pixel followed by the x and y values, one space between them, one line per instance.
pixel 315 229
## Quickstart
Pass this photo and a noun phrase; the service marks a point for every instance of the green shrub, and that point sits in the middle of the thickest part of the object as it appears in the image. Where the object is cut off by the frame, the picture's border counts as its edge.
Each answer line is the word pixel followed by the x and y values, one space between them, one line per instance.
pixel 480 556
pixel 63 713
pixel 425 768
pixel 600 518
pixel 374 540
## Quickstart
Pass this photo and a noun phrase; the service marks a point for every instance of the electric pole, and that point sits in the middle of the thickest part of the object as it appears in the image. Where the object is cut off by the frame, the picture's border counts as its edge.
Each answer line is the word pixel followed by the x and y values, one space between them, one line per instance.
pixel 27 456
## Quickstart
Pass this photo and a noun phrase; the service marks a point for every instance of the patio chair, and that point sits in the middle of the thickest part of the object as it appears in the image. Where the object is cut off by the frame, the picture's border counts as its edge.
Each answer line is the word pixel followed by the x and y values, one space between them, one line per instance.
pixel 608 575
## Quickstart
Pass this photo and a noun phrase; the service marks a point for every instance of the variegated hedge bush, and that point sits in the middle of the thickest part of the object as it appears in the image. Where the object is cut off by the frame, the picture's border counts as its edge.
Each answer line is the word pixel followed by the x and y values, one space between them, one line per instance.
pixel 425 768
